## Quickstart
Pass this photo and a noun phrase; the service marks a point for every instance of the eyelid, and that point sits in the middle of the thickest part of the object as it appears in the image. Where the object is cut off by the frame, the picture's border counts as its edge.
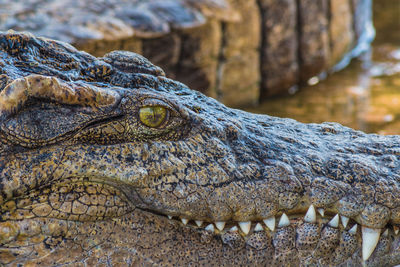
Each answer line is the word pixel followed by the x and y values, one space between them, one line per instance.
pixel 150 102
pixel 153 102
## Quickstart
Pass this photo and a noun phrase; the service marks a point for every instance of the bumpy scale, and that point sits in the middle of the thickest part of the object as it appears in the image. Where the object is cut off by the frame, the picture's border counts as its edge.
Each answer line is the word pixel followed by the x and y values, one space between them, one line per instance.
pixel 107 161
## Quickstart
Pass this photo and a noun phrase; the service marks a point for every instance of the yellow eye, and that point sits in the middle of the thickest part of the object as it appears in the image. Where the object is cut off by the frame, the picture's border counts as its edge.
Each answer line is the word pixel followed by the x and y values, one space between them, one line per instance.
pixel 153 116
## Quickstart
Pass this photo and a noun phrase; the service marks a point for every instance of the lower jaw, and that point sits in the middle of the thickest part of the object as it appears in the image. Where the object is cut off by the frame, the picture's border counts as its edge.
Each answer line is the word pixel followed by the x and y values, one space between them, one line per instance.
pixel 309 226
pixel 287 245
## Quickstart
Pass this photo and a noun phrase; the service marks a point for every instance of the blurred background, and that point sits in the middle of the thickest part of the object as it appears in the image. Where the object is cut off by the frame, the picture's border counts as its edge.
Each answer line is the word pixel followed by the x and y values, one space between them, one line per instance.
pixel 365 95
pixel 304 59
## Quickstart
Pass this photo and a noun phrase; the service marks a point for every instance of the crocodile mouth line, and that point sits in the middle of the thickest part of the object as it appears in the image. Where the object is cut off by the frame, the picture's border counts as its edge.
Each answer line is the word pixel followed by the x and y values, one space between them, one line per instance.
pixel 318 216
pixel 370 236
pixel 271 225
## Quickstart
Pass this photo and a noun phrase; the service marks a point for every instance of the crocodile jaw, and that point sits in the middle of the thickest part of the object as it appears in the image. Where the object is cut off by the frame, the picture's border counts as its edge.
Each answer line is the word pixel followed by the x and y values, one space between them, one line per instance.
pixel 231 169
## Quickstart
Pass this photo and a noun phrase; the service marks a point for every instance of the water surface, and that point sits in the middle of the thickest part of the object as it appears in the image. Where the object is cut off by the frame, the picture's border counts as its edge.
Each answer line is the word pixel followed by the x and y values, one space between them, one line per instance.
pixel 365 95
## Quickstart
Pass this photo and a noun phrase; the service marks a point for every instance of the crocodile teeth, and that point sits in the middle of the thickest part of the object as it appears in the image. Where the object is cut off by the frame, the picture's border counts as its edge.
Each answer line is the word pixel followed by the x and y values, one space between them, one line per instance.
pixel 321 211
pixel 198 223
pixel 386 233
pixel 184 221
pixel 245 227
pixel 353 229
pixel 220 225
pixel 311 216
pixel 334 222
pixel 396 230
pixel 210 228
pixel 370 238
pixel 284 221
pixel 234 229
pixel 270 223
pixel 258 228
pixel 169 217
pixel 345 220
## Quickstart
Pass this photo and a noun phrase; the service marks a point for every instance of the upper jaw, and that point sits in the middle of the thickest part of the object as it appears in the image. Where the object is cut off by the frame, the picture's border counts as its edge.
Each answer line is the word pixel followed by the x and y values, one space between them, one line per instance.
pixel 294 178
pixel 313 222
pixel 251 176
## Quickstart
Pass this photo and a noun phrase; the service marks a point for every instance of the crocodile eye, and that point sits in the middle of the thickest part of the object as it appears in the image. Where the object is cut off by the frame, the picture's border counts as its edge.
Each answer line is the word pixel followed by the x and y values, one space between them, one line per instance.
pixel 153 116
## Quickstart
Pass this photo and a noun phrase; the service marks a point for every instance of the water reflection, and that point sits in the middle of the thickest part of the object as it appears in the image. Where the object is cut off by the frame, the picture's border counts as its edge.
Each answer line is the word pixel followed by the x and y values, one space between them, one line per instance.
pixel 364 96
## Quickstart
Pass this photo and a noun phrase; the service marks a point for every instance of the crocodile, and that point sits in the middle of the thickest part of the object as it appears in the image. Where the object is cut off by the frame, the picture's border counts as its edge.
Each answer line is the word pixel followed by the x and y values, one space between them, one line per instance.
pixel 106 161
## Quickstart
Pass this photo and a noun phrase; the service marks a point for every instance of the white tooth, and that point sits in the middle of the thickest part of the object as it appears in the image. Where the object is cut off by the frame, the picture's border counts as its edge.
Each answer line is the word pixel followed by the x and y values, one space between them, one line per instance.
pixel 310 217
pixel 258 228
pixel 169 217
pixel 353 229
pixel 370 238
pixel 210 228
pixel 396 229
pixel 234 229
pixel 198 223
pixel 345 220
pixel 284 221
pixel 270 223
pixel 184 221
pixel 334 222
pixel 245 227
pixel 321 211
pixel 386 233
pixel 220 225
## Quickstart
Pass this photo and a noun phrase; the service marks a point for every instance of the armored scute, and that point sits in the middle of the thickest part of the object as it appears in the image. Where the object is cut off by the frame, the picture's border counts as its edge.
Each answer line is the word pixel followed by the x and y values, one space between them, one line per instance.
pixel 105 161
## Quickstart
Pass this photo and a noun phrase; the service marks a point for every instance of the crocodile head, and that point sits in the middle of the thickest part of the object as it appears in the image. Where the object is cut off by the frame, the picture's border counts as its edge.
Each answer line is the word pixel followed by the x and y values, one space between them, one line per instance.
pixel 107 161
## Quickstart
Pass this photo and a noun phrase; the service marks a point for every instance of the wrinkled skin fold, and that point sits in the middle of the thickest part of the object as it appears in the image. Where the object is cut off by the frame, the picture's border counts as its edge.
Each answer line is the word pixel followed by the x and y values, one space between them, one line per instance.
pixel 86 178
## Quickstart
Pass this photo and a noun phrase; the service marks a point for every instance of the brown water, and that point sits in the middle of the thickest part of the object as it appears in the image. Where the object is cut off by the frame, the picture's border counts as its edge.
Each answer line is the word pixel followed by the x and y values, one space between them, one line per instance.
pixel 365 95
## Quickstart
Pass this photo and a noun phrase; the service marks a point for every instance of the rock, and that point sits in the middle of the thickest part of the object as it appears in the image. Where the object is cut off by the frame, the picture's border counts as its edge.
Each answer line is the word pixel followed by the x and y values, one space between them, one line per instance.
pixel 279 46
pixel 239 67
pixel 238 51
pixel 341 33
pixel 314 38
pixel 164 51
pixel 199 57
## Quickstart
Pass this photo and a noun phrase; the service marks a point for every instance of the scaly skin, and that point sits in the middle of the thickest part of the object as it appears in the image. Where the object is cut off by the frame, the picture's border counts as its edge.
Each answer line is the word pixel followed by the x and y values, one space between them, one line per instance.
pixel 84 181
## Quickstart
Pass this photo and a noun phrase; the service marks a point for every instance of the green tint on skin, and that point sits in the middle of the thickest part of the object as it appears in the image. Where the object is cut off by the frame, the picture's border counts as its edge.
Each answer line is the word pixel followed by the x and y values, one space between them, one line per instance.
pixel 93 184
pixel 153 116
